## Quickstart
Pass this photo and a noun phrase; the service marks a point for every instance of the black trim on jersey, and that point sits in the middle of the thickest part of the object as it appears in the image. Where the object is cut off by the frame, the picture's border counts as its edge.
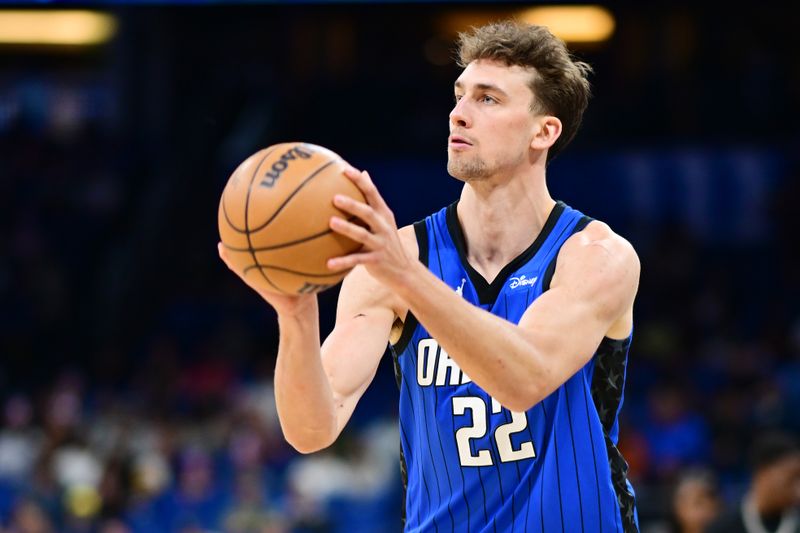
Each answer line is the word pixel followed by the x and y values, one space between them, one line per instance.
pixel 421 231
pixel 403 435
pixel 411 322
pixel 404 476
pixel 409 326
pixel 607 382
pixel 398 376
pixel 551 268
pixel 398 372
pixel 487 292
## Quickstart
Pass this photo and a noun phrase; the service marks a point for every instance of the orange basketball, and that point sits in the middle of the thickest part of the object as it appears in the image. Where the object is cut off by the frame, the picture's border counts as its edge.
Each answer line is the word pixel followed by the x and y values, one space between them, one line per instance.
pixel 274 214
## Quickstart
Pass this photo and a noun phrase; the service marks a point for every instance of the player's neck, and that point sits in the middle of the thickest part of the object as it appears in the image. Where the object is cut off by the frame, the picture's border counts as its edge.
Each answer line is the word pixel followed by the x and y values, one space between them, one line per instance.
pixel 500 220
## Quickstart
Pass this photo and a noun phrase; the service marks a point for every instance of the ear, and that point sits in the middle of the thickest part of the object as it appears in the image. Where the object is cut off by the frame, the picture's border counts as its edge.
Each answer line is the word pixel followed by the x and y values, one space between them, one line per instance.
pixel 546 131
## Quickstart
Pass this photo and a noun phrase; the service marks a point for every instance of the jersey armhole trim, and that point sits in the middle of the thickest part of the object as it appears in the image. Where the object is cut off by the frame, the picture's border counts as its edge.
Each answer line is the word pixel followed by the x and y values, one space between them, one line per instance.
pixel 411 322
pixel 551 268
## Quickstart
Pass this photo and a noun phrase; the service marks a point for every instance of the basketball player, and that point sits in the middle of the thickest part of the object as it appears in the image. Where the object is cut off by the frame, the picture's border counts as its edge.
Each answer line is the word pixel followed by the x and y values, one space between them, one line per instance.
pixel 509 316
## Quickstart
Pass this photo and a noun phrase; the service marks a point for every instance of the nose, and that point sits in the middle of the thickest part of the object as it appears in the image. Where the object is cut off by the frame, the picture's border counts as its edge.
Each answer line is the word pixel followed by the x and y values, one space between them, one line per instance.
pixel 459 116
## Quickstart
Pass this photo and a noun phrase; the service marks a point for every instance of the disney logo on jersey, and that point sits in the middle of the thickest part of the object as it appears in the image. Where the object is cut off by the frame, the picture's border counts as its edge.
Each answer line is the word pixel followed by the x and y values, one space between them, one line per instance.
pixel 522 281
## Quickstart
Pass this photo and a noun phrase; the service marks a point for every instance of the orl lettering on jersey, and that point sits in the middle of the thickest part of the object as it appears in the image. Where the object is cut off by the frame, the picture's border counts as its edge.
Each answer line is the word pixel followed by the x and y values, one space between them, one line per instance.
pixel 435 367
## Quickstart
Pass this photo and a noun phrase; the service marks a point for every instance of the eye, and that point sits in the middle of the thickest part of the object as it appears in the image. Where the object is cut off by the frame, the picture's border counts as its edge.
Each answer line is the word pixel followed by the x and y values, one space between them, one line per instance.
pixel 458 97
pixel 486 99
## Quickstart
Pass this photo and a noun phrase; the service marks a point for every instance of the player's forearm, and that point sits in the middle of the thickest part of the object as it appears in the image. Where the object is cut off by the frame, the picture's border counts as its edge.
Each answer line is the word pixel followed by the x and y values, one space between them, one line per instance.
pixel 303 394
pixel 493 352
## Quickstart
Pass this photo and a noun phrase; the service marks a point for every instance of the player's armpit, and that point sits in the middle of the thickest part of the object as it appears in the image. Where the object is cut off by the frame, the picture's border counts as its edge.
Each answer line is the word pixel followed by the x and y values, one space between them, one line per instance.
pixel 591 295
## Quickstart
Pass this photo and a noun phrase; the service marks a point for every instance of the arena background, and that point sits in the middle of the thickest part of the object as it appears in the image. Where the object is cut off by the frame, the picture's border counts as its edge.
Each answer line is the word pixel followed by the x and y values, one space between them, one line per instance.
pixel 136 370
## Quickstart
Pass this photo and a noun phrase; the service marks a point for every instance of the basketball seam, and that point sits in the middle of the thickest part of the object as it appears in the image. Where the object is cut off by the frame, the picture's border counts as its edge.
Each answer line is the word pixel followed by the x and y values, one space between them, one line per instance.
pixel 283 244
pixel 286 244
pixel 228 219
pixel 225 207
pixel 246 225
pixel 297 272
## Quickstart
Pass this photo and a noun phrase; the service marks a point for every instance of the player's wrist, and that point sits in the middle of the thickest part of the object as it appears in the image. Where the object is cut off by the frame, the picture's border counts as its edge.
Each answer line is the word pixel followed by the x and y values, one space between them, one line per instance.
pixel 293 308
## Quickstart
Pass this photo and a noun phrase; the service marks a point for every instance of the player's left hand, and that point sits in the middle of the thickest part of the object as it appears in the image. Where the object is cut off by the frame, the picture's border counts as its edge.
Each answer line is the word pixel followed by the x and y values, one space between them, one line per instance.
pixel 383 254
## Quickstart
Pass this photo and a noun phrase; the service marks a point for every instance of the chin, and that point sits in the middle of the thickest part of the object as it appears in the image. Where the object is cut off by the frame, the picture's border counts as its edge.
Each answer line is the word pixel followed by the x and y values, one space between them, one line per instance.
pixel 467 171
pixel 456 171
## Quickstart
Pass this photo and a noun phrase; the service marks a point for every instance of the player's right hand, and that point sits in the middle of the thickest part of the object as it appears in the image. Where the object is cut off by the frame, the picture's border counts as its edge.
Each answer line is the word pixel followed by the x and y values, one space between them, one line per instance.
pixel 284 304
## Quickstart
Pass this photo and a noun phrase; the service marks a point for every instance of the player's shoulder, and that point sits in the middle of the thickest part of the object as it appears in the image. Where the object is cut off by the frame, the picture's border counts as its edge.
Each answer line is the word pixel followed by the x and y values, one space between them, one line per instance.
pixel 598 251
pixel 408 236
pixel 597 238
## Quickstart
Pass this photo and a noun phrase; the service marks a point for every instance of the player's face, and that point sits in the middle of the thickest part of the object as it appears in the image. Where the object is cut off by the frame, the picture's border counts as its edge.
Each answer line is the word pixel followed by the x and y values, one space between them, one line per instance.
pixel 491 124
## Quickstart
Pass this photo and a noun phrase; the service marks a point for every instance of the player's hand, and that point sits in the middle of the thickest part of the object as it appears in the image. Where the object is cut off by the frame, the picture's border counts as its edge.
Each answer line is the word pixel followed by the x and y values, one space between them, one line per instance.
pixel 284 304
pixel 383 254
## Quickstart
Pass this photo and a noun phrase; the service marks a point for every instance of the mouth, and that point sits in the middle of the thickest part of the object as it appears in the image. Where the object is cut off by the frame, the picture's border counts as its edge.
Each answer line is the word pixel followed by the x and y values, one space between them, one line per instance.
pixel 457 141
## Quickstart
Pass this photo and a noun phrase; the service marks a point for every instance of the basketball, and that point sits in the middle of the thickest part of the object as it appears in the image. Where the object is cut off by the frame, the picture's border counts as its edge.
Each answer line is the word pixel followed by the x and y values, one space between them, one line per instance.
pixel 274 215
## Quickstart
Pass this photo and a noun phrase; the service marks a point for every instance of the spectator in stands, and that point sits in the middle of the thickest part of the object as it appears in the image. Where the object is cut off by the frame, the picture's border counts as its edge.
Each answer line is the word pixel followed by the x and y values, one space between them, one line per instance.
pixel 771 504
pixel 696 501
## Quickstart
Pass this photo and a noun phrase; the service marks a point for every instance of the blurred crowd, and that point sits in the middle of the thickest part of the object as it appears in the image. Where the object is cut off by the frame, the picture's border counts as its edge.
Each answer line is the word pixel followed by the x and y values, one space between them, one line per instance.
pixel 109 468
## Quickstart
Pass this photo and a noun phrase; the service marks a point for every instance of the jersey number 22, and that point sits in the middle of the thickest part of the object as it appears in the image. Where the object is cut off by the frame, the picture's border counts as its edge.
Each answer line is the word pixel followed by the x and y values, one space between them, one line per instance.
pixel 477 430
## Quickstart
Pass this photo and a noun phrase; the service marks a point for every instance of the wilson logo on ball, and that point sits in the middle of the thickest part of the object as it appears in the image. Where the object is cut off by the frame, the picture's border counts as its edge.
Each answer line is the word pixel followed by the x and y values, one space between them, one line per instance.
pixel 279 166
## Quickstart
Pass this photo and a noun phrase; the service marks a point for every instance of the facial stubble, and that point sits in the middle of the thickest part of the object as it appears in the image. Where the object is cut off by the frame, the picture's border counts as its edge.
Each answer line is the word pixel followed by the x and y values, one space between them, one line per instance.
pixel 466 168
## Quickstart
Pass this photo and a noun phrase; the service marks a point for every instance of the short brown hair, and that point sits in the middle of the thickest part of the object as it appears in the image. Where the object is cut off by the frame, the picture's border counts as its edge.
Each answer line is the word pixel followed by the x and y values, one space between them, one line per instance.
pixel 559 84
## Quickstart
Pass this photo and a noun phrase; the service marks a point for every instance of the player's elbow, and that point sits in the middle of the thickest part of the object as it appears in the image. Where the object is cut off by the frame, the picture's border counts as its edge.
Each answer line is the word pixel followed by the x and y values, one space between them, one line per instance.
pixel 518 397
pixel 516 406
pixel 307 440
pixel 306 449
pixel 519 403
pixel 307 445
pixel 530 389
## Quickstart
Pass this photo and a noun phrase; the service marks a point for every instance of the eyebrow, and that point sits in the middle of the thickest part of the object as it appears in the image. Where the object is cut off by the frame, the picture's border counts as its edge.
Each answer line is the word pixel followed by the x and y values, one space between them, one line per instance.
pixel 482 87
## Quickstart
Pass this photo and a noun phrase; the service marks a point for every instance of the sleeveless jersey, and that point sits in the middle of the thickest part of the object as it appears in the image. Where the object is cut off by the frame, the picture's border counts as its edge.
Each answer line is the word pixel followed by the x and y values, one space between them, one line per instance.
pixel 471 465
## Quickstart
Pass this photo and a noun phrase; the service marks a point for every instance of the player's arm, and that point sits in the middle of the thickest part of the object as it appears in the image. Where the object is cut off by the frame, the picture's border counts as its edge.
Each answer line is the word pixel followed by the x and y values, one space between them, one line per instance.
pixel 591 295
pixel 317 388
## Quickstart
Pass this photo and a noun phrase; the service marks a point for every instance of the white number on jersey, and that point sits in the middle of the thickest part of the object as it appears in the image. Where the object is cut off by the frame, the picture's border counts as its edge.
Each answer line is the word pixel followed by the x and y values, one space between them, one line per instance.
pixel 478 429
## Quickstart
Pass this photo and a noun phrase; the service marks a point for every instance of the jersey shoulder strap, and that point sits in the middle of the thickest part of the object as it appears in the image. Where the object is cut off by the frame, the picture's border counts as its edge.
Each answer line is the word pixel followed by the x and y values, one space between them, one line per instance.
pixel 411 323
pixel 551 267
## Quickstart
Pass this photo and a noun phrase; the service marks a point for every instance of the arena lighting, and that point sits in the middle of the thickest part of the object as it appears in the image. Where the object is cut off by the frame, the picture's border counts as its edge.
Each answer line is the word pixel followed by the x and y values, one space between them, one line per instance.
pixel 573 24
pixel 55 27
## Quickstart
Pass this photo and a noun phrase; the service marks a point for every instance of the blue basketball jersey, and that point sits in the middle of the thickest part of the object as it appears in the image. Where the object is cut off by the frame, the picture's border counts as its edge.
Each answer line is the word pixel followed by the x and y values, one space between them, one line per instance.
pixel 471 465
